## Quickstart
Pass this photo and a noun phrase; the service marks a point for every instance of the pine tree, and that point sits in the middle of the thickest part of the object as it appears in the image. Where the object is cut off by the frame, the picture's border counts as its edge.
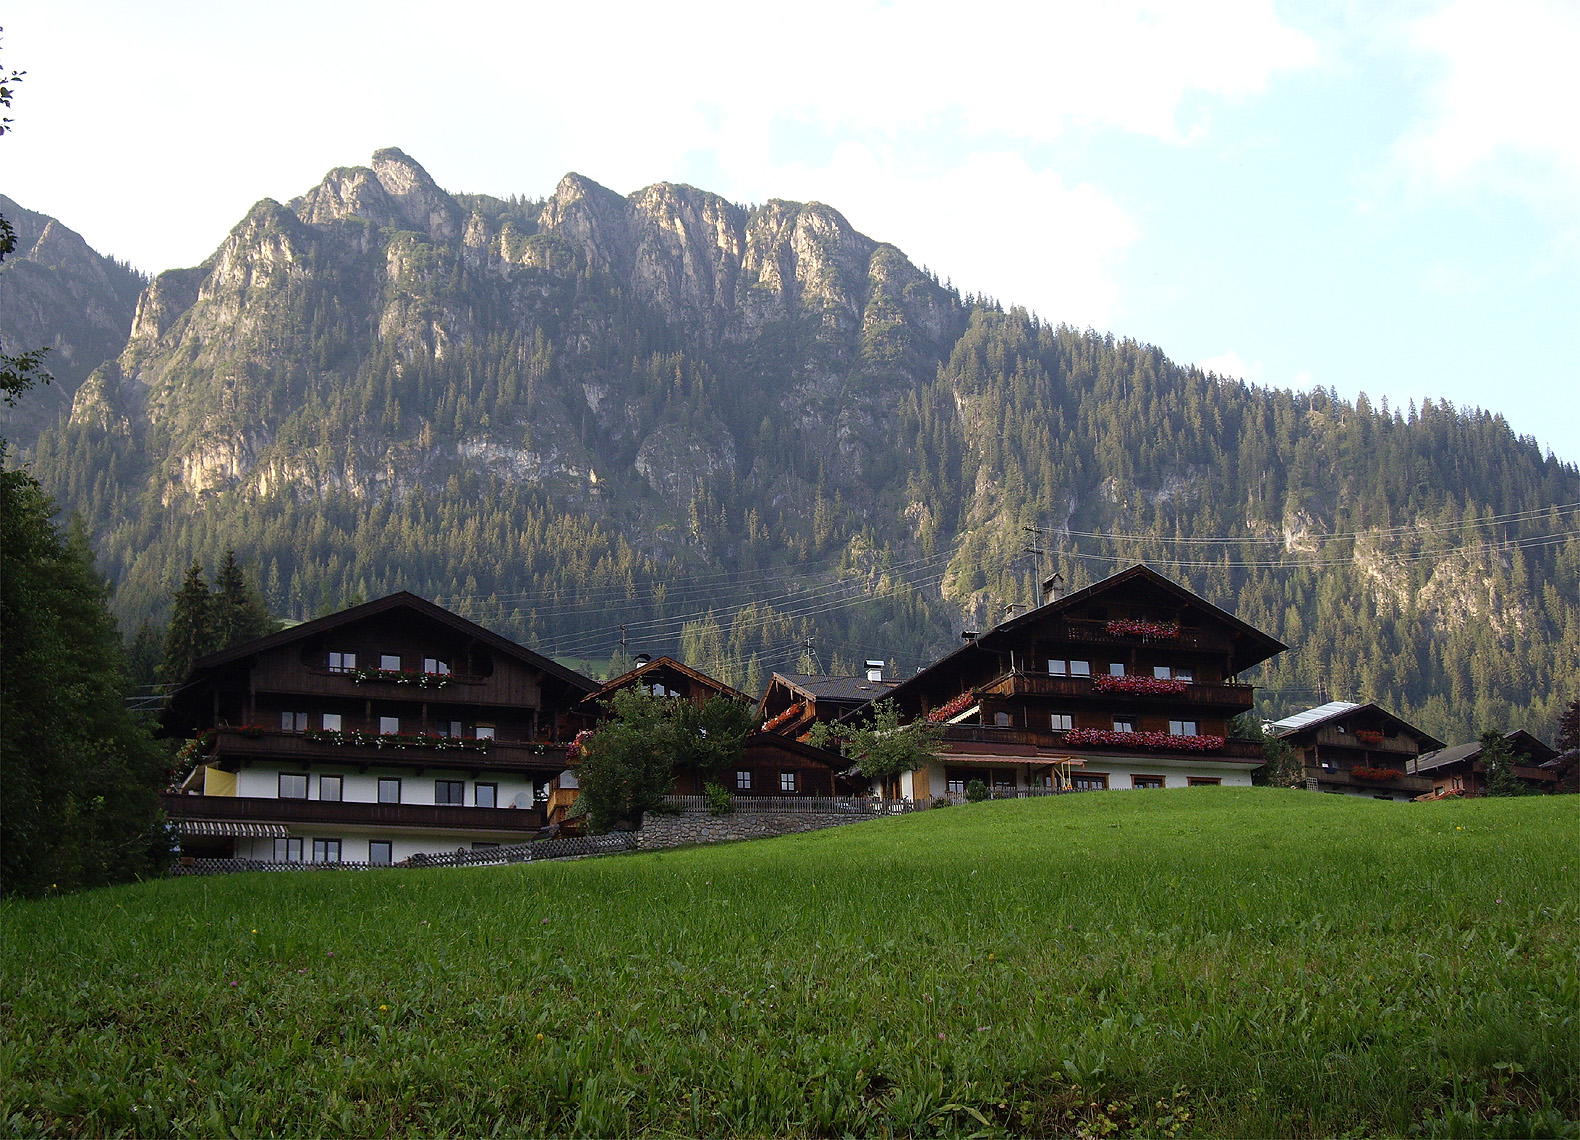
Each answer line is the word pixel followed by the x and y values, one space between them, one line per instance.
pixel 239 612
pixel 81 774
pixel 191 631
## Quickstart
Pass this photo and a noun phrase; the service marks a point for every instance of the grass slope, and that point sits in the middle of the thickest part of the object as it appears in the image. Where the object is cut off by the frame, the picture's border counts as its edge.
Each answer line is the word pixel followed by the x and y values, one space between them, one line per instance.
pixel 1211 962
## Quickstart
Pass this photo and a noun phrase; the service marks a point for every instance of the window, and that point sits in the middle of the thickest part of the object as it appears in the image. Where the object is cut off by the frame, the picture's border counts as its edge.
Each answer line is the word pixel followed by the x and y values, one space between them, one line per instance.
pixel 287 850
pixel 483 845
pixel 449 792
pixel 380 853
pixel 329 788
pixel 1058 668
pixel 1001 719
pixel 1146 781
pixel 1162 672
pixel 293 722
pixel 743 781
pixel 1182 728
pixel 1062 722
pixel 787 782
pixel 1117 669
pixel 1184 674
pixel 1089 781
pixel 955 785
pixel 434 665
pixel 448 728
pixel 1080 668
pixel 485 732
pixel 326 851
pixel 1202 781
pixel 293 785
pixel 389 661
pixel 486 795
pixel 342 662
pixel 389 789
pixel 332 722
pixel 1124 724
pixel 389 725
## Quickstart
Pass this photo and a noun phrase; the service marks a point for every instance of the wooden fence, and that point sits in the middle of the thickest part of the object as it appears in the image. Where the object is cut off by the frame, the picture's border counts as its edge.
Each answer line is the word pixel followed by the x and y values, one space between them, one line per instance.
pixel 796 805
pixel 481 857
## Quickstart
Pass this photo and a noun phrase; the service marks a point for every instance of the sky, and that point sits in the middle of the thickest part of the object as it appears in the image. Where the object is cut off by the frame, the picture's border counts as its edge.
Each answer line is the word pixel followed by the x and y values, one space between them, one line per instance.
pixel 1379 198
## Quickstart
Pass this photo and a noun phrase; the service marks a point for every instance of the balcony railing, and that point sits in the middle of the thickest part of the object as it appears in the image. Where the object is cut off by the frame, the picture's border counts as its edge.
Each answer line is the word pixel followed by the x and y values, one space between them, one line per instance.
pixel 988 734
pixel 1343 778
pixel 262 809
pixel 1096 632
pixel 1018 684
pixel 1331 737
pixel 502 755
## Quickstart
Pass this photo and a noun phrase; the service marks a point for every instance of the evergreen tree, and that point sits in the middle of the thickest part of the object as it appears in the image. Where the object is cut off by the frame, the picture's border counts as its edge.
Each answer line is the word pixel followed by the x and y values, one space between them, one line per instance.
pixel 239 612
pixel 81 774
pixel 191 632
pixel 1499 759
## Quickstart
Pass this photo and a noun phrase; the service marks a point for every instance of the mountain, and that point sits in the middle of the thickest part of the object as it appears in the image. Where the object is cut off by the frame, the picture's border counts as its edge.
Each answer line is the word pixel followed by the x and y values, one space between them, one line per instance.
pixel 723 430
pixel 57 293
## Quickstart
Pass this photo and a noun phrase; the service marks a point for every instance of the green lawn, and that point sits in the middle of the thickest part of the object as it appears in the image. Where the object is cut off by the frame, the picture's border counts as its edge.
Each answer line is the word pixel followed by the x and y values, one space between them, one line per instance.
pixel 1205 962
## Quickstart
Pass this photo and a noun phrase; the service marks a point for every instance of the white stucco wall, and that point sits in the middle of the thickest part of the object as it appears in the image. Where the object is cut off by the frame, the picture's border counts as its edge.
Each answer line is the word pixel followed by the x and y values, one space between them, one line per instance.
pixel 263 780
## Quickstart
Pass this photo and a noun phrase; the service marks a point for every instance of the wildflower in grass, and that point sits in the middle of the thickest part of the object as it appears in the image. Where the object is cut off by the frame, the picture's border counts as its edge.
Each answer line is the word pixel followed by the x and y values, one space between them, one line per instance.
pixel 545 922
pixel 234 984
pixel 540 1038
pixel 990 957
pixel 383 1008
pixel 940 1037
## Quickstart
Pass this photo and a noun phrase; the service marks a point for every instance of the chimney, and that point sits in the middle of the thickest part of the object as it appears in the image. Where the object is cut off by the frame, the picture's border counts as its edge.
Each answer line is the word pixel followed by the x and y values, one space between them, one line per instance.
pixel 874 670
pixel 1052 588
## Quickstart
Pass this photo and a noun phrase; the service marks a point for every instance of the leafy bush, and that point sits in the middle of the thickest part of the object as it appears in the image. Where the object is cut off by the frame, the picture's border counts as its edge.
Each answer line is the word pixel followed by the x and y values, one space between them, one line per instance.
pixel 720 801
pixel 976 791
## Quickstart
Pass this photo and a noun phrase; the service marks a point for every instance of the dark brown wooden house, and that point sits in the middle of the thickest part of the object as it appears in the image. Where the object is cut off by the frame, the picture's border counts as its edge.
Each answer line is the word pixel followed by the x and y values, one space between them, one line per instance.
pixel 1357 749
pixel 385 730
pixel 1460 771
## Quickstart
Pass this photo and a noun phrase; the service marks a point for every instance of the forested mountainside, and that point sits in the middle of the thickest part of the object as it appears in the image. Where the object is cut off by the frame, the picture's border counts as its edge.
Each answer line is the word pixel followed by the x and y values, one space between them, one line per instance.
pixel 729 429
pixel 57 293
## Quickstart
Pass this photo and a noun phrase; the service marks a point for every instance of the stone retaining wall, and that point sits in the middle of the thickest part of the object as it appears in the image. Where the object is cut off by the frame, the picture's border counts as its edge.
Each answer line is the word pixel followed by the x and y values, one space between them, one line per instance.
pixel 660 831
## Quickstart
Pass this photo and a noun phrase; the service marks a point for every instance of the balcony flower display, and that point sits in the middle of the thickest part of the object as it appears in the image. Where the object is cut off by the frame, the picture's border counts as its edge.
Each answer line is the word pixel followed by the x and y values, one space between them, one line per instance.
pixel 1157 741
pixel 785 717
pixel 401 677
pixel 398 740
pixel 1137 683
pixel 1368 736
pixel 952 708
pixel 1134 627
pixel 573 750
pixel 1378 775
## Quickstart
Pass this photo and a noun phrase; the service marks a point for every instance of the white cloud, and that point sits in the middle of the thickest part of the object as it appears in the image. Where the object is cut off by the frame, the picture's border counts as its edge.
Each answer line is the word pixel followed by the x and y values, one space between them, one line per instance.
pixel 1230 366
pixel 1502 111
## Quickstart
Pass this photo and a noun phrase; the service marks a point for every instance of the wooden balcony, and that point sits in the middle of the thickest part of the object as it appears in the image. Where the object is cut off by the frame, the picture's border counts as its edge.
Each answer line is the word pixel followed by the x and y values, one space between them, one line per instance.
pixel 1331 777
pixel 1331 737
pixel 986 734
pixel 1096 633
pixel 330 813
pixel 234 747
pixel 1229 698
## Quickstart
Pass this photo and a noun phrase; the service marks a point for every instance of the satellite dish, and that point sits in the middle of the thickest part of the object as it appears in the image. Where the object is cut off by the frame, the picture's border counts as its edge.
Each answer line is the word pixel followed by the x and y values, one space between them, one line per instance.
pixel 522 800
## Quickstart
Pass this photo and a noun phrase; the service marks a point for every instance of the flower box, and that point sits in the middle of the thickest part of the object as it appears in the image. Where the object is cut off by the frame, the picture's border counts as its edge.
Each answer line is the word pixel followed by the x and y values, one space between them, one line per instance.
pixel 1368 736
pixel 785 717
pixel 1378 775
pixel 1136 683
pixel 1132 627
pixel 1156 741
pixel 398 740
pixel 401 677
pixel 952 708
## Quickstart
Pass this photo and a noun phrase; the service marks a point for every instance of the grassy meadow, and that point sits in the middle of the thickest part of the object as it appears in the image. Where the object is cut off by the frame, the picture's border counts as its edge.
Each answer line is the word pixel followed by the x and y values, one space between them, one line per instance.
pixel 1208 962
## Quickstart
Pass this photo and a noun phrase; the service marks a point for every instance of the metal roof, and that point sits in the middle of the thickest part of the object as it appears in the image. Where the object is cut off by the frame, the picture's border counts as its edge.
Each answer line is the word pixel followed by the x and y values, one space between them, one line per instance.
pixel 856 690
pixel 1312 716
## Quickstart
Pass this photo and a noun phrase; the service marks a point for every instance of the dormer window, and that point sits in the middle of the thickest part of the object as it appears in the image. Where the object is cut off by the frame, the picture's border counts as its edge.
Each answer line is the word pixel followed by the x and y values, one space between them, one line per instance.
pixel 342 662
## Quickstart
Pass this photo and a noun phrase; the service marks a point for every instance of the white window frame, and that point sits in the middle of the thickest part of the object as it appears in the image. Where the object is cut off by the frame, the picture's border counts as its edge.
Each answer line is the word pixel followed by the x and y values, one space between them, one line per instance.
pixel 340 662
pixel 1184 728
pixel 331 722
pixel 1124 724
pixel 389 725
pixel 435 665
pixel 789 783
pixel 1080 668
pixel 390 661
pixel 1058 667
pixel 743 780
pixel 485 732
pixel 1116 668
pixel 1061 722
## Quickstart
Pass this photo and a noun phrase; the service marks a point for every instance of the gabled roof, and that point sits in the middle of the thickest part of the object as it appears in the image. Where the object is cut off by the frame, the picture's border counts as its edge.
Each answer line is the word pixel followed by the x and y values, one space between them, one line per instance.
pixel 1344 710
pixel 1252 646
pixel 1525 746
pixel 667 664
pixel 837 690
pixel 206 666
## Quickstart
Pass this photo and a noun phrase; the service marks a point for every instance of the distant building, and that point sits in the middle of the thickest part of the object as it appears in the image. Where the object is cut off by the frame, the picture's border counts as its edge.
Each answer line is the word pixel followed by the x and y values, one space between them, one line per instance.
pixel 370 735
pixel 1128 683
pixel 1357 750
pixel 1459 771
pixel 794 702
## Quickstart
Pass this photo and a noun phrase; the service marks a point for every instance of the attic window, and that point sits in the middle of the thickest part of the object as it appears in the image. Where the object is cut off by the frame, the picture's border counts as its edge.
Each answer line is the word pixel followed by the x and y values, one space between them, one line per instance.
pixel 342 662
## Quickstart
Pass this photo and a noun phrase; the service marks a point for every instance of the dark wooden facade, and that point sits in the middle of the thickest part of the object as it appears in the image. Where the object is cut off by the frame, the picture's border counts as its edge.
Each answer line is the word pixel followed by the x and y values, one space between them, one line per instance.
pixel 1460 771
pixel 1358 749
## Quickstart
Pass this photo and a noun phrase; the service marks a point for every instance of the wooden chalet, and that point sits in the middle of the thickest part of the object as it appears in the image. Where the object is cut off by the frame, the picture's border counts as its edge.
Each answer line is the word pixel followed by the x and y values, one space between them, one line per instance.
pixel 1358 750
pixel 770 765
pixel 1460 771
pixel 1128 683
pixel 385 730
pixel 794 702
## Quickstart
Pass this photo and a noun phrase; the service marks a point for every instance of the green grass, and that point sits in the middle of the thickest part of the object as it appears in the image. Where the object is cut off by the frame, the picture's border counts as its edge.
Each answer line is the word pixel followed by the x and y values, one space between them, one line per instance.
pixel 1211 962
